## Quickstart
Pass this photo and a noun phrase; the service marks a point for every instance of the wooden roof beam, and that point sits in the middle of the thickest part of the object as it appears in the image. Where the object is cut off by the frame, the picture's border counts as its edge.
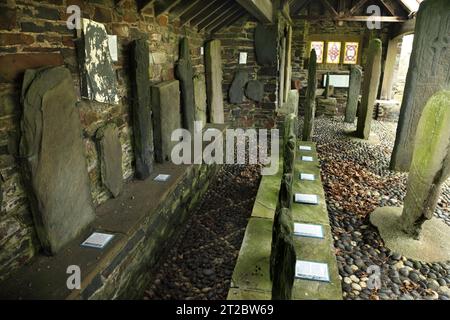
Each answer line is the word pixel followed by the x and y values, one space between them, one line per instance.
pixel 220 17
pixel 213 11
pixel 162 7
pixel 197 10
pixel 182 8
pixel 261 9
pixel 329 7
pixel 228 22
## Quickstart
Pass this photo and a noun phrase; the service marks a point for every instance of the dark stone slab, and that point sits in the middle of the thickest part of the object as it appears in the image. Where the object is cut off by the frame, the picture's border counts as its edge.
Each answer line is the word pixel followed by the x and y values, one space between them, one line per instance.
pixel 266 39
pixel 353 94
pixel 53 156
pixel 185 73
pixel 167 119
pixel 14 65
pixel 236 92
pixel 142 121
pixel 255 90
pixel 98 78
pixel 110 152
pixel 310 101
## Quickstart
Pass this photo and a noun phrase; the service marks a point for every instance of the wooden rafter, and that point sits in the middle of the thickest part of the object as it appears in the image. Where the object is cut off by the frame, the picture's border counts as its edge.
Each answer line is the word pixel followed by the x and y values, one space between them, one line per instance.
pixel 329 7
pixel 142 5
pixel 182 8
pixel 389 7
pixel 357 6
pixel 220 17
pixel 263 10
pixel 213 11
pixel 298 5
pixel 162 7
pixel 197 10
pixel 228 22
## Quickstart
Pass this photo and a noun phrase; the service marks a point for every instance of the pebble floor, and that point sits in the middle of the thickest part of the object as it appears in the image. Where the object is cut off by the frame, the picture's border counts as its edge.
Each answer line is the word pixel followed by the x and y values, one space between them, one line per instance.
pixel 356 181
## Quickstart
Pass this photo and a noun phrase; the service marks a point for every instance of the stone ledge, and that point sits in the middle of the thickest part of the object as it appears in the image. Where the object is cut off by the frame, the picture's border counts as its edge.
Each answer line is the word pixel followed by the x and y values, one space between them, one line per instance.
pixel 144 219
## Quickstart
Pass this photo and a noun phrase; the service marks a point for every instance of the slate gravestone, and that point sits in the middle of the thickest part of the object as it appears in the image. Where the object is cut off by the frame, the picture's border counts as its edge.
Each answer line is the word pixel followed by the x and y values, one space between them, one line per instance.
pixel 430 164
pixel 110 152
pixel 53 155
pixel 98 78
pixel 141 113
pixel 283 256
pixel 213 67
pixel 255 90
pixel 166 117
pixel 290 143
pixel 353 94
pixel 310 101
pixel 200 98
pixel 236 92
pixel 372 75
pixel 185 73
pixel 266 39
pixel 428 73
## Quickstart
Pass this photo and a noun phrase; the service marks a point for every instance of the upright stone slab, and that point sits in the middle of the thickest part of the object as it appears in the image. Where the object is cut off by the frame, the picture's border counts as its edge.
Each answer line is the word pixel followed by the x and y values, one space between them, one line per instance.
pixel 213 67
pixel 310 101
pixel 254 90
pixel 283 256
pixel 266 40
pixel 53 155
pixel 141 113
pixel 353 94
pixel 236 92
pixel 430 164
pixel 200 98
pixel 185 73
pixel 289 143
pixel 166 117
pixel 110 152
pixel 372 75
pixel 429 72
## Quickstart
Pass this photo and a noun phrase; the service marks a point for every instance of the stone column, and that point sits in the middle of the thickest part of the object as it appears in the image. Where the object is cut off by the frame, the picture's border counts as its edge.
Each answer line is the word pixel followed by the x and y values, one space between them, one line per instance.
pixel 389 69
pixel 430 166
pixel 185 74
pixel 310 101
pixel 213 66
pixel 353 94
pixel 371 84
pixel 429 72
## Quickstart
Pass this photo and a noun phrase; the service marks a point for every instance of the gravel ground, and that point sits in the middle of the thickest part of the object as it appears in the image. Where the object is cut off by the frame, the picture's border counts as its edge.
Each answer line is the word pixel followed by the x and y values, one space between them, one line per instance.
pixel 201 263
pixel 357 180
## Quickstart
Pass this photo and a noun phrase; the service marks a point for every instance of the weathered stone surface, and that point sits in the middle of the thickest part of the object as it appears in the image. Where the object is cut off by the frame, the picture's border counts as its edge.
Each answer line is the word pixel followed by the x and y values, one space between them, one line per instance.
pixel 428 73
pixel 166 117
pixel 310 101
pixel 283 256
pixel 289 143
pixel 14 65
pixel 98 78
pixel 326 106
pixel 52 150
pixel 110 152
pixel 353 94
pixel 185 73
pixel 372 75
pixel 255 90
pixel 213 68
pixel 200 98
pixel 266 39
pixel 142 121
pixel 236 92
pixel 430 164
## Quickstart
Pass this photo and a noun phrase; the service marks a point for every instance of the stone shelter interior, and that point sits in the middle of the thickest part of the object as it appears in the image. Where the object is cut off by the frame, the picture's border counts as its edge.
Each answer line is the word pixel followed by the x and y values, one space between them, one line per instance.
pixel 102 197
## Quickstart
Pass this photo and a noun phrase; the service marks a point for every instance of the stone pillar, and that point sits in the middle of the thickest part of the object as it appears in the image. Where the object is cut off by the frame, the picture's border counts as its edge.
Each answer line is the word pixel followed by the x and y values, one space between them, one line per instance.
pixel 141 114
pixel 310 101
pixel 429 72
pixel 288 72
pixel 430 166
pixel 53 155
pixel 200 98
pixel 213 66
pixel 389 69
pixel 371 84
pixel 353 94
pixel 185 74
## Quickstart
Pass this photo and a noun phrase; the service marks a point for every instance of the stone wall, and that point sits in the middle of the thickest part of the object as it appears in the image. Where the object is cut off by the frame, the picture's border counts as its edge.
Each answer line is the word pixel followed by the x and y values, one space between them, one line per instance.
pixel 34 34
pixel 240 37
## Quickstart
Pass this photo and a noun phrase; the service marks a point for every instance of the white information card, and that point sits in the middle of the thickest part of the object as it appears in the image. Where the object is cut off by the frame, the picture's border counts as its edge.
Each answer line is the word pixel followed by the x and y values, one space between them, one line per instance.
pixel 162 178
pixel 98 240
pixel 307 159
pixel 308 230
pixel 305 148
pixel 307 177
pixel 306 198
pixel 312 271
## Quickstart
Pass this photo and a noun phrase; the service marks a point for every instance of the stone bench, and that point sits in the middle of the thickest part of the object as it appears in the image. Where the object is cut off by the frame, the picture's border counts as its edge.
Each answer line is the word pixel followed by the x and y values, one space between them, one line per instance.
pixel 251 277
pixel 145 219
